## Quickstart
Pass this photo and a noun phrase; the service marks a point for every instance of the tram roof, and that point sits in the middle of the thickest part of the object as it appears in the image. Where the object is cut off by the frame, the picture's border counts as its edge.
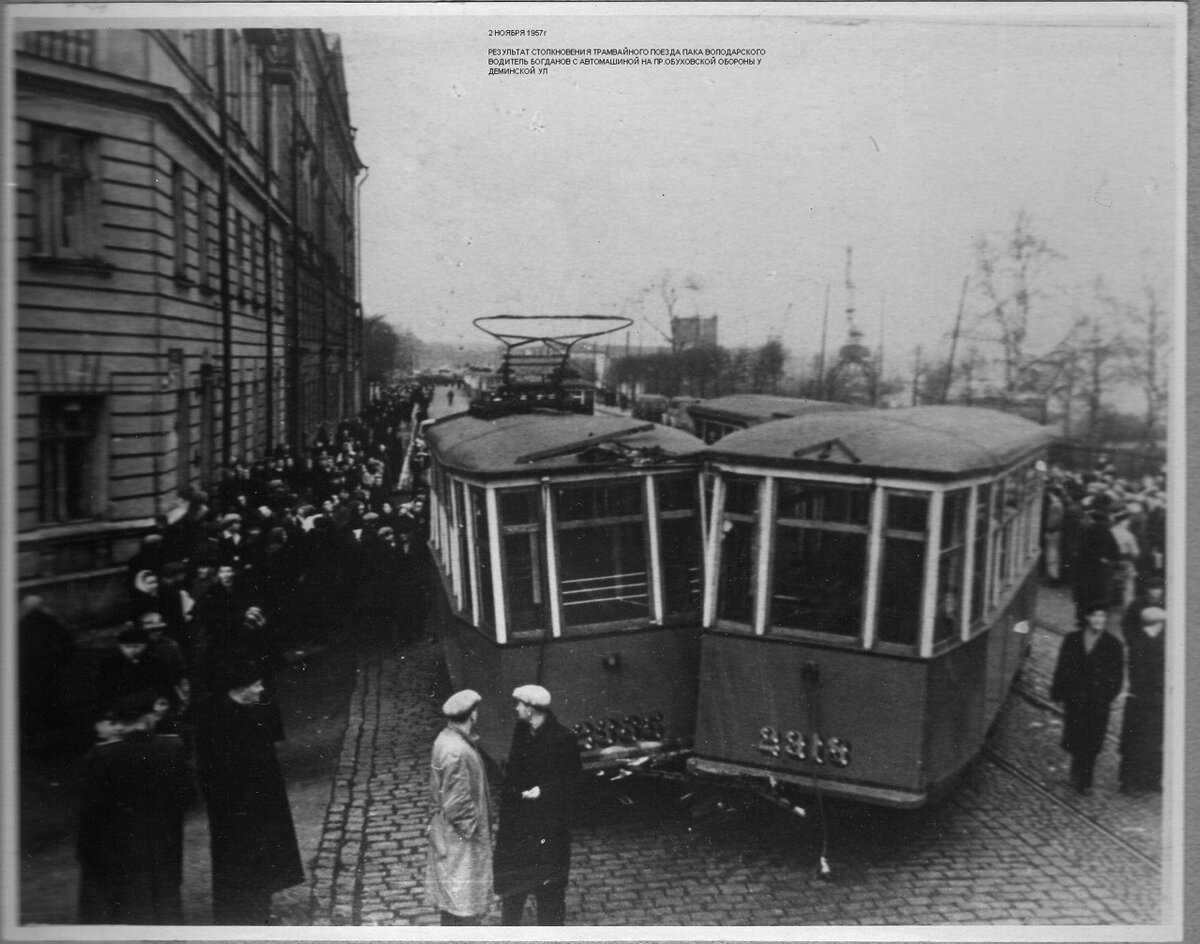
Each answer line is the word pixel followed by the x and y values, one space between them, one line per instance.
pixel 544 440
pixel 924 441
pixel 760 407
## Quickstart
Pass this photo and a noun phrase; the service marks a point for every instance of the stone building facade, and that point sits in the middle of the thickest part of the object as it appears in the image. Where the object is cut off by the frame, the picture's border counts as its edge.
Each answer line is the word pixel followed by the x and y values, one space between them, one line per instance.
pixel 187 278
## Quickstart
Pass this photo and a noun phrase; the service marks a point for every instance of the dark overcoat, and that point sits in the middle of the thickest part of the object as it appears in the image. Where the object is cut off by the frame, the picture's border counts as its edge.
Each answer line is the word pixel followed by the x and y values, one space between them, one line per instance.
pixel 533 842
pixel 130 845
pixel 1142 724
pixel 1086 683
pixel 251 832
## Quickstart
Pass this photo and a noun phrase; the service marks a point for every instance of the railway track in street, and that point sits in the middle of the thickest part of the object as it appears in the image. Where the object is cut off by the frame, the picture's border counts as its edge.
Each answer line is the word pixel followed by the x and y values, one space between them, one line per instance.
pixel 1092 820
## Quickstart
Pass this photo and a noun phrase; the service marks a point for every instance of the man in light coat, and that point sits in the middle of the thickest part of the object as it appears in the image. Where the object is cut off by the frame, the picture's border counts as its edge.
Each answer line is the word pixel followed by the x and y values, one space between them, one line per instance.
pixel 458 878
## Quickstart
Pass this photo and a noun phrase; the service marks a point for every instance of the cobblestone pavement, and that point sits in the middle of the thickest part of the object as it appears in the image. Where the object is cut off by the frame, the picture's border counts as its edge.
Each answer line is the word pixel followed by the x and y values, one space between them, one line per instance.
pixel 1012 845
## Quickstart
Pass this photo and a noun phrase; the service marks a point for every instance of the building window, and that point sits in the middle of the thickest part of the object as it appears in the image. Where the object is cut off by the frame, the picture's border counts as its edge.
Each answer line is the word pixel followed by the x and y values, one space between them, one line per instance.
pixel 66 194
pixel 73 46
pixel 179 220
pixel 68 451
pixel 203 237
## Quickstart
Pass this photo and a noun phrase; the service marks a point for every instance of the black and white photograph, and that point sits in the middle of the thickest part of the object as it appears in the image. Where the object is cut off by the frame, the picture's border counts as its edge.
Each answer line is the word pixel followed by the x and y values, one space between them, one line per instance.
pixel 660 469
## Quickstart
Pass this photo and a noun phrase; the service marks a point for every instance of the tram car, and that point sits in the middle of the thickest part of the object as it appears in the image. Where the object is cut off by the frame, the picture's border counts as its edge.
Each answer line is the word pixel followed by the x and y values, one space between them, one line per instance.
pixel 720 416
pixel 569 546
pixel 871 582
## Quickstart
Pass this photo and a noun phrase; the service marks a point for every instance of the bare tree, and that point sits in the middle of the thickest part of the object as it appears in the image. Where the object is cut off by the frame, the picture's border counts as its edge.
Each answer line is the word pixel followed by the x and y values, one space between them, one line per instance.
pixel 1148 357
pixel 1011 275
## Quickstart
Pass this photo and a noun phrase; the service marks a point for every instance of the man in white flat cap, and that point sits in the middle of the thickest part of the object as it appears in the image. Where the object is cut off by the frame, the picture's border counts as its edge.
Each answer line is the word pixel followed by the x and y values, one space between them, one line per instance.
pixel 537 796
pixel 458 877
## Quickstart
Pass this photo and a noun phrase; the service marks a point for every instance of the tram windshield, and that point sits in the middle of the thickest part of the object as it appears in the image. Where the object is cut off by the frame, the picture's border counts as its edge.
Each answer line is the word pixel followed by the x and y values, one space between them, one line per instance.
pixel 568 557
pixel 875 563
pixel 602 552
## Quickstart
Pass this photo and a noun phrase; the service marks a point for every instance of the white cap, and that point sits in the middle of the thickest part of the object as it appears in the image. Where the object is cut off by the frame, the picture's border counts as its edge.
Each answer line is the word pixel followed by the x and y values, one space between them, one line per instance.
pixel 533 695
pixel 460 703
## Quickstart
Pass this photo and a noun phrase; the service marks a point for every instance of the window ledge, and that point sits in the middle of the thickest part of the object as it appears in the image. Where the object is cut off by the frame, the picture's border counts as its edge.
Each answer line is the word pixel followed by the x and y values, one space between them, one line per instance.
pixel 93 265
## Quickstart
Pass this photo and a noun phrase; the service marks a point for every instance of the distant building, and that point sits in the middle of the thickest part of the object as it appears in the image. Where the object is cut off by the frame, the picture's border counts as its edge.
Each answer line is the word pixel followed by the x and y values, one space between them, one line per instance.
pixel 187 292
pixel 688 332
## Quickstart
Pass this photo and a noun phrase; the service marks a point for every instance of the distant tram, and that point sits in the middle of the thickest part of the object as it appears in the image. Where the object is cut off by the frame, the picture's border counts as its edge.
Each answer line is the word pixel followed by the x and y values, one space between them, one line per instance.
pixel 872 575
pixel 721 416
pixel 837 601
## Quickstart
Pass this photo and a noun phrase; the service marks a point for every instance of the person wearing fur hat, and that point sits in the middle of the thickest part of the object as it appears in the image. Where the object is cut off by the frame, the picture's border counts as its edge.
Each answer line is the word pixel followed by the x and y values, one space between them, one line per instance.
pixel 1142 724
pixel 458 875
pixel 252 836
pixel 136 786
pixel 537 796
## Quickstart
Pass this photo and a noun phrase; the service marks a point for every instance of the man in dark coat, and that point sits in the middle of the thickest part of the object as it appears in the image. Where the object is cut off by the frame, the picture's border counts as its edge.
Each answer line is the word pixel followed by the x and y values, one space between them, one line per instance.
pixel 1087 677
pixel 45 648
pixel 252 837
pixel 1095 558
pixel 1142 724
pixel 136 787
pixel 537 795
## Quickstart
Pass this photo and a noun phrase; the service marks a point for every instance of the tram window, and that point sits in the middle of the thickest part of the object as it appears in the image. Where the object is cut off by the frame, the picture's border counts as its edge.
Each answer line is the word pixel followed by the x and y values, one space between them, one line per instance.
pixel 483 556
pixel 466 603
pixel 979 575
pixel 820 557
pixel 902 573
pixel 681 535
pixel 739 550
pixel 601 541
pixel 522 547
pixel 951 565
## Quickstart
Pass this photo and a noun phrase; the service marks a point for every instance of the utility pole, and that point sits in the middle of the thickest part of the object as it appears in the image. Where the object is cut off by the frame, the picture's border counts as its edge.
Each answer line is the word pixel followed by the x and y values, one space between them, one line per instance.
pixel 916 377
pixel 824 339
pixel 954 340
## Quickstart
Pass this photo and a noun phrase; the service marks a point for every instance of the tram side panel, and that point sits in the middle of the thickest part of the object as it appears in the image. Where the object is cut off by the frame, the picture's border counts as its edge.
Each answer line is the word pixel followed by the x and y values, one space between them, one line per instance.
pixel 626 694
pixel 1009 641
pixel 849 723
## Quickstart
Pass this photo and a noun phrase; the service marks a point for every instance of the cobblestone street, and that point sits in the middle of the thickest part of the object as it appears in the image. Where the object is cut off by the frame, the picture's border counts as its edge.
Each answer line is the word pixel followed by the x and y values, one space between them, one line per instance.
pixel 1012 845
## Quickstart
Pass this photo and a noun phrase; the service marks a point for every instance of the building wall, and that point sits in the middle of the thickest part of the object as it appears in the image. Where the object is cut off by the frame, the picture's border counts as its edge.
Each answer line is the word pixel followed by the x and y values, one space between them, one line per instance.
pixel 187 291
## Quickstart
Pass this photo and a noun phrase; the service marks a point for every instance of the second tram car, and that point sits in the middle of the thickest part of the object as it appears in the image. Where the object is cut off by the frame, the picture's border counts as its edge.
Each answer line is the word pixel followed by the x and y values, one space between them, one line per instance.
pixel 871 581
pixel 721 416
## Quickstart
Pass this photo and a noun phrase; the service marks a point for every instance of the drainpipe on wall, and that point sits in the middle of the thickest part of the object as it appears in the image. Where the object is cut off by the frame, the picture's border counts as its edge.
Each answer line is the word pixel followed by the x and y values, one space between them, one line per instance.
pixel 357 299
pixel 268 117
pixel 226 300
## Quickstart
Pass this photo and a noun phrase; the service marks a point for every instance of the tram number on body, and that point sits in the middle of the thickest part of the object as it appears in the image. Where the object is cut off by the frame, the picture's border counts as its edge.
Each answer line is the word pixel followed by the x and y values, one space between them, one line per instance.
pixel 797 745
pixel 627 730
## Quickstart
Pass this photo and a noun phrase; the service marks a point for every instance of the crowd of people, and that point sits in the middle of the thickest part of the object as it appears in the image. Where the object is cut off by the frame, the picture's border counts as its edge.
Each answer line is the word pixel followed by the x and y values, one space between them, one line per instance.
pixel 301 550
pixel 1105 537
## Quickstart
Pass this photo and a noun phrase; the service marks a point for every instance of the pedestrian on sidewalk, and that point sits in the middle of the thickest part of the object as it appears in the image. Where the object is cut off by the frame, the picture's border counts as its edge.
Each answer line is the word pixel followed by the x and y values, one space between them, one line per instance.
pixel 252 836
pixel 458 877
pixel 1142 724
pixel 1087 677
pixel 537 797
pixel 137 785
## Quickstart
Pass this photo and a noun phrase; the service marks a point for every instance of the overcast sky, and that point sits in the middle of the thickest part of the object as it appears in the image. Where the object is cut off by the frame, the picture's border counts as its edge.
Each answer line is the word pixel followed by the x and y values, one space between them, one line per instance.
pixel 907 137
